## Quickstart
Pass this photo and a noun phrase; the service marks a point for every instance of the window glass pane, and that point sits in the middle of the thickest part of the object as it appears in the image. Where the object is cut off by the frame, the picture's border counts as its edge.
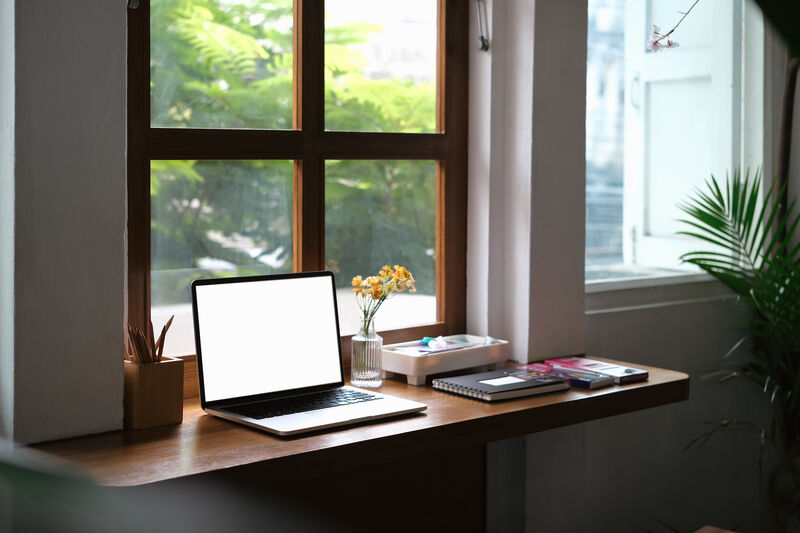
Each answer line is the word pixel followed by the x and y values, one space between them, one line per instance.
pixel 604 134
pixel 214 219
pixel 379 213
pixel 221 63
pixel 659 122
pixel 380 66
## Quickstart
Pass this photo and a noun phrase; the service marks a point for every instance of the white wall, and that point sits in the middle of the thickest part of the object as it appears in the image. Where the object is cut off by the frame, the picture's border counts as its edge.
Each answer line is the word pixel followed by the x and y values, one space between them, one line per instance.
pixel 630 471
pixel 484 188
pixel 526 162
pixel 69 233
pixel 558 180
pixel 6 242
pixel 6 218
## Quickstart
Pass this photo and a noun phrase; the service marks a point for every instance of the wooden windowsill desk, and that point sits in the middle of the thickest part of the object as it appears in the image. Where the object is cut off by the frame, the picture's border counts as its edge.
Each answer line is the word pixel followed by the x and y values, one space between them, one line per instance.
pixel 204 444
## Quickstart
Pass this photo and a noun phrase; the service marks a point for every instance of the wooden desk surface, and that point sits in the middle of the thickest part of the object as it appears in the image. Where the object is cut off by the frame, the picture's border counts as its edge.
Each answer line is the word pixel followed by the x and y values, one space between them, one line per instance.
pixel 203 443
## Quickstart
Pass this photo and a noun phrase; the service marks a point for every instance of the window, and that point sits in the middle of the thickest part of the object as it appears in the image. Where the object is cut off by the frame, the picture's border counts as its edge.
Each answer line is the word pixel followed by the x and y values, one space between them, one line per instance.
pixel 659 123
pixel 278 136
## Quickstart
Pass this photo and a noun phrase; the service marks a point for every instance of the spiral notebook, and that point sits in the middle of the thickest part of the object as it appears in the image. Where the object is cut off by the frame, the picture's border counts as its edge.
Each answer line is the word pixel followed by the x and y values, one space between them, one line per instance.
pixel 501 384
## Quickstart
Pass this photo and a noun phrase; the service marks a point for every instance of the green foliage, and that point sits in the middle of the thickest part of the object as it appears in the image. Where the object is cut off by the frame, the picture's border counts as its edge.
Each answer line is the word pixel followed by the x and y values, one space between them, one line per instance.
pixel 218 64
pixel 381 212
pixel 235 212
pixel 354 103
pixel 753 254
pixel 223 64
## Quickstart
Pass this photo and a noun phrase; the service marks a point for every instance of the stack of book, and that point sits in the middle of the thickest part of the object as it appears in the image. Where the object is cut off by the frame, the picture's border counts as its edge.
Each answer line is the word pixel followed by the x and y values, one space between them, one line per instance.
pixel 621 374
pixel 578 379
pixel 538 378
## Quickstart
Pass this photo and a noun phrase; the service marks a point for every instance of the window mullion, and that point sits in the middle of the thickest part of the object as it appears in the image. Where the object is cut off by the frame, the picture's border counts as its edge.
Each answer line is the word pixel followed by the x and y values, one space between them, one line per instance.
pixel 309 193
pixel 138 166
pixel 451 173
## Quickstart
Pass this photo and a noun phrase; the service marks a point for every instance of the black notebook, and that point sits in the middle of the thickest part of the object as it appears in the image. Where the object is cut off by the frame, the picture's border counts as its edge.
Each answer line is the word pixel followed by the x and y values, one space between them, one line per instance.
pixel 501 384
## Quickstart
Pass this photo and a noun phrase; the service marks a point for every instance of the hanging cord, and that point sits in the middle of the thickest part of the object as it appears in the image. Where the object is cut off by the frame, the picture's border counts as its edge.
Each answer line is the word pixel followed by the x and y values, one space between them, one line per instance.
pixel 785 136
pixel 483 40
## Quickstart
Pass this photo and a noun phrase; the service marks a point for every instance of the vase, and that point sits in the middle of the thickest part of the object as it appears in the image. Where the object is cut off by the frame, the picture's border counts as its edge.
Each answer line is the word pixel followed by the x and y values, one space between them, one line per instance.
pixel 366 356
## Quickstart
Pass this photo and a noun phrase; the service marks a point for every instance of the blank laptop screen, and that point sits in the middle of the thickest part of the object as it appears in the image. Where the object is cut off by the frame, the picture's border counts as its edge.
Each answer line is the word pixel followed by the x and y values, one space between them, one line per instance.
pixel 267 336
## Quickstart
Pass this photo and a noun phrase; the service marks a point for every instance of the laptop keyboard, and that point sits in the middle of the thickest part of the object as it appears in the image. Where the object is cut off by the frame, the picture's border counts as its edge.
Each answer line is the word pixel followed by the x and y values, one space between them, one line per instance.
pixel 300 404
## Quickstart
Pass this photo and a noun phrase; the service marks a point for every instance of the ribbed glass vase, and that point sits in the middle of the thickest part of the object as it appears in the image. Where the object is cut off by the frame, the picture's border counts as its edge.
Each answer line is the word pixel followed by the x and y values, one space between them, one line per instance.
pixel 366 359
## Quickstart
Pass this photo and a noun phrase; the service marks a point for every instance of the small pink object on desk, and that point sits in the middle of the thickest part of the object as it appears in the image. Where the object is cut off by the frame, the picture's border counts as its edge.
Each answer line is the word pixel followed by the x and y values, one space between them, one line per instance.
pixel 622 374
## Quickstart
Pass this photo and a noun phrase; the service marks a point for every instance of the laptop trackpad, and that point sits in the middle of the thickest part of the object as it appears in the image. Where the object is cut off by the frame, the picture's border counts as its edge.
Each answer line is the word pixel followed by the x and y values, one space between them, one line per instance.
pixel 290 423
pixel 317 419
pixel 344 412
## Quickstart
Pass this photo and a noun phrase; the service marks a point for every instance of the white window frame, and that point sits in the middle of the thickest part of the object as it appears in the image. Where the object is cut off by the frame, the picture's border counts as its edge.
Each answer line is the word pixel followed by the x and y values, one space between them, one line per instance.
pixel 761 94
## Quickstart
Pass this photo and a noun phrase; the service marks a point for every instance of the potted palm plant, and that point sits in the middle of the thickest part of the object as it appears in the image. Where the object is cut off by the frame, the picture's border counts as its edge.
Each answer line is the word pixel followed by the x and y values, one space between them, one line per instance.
pixel 755 251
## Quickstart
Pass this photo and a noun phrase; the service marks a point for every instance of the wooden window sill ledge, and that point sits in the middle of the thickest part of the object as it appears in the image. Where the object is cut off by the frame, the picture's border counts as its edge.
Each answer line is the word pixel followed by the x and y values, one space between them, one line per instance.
pixel 203 443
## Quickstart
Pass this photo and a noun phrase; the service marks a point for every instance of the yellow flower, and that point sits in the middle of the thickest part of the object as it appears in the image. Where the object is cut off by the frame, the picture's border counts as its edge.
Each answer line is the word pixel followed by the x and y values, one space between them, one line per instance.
pixel 356 283
pixel 379 287
pixel 401 273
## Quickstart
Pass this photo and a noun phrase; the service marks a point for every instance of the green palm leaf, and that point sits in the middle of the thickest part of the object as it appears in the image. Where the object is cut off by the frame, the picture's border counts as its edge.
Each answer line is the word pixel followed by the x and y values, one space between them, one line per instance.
pixel 753 254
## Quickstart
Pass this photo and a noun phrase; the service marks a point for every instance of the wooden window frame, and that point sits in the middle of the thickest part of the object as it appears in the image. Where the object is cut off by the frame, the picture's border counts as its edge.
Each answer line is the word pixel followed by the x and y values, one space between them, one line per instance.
pixel 309 145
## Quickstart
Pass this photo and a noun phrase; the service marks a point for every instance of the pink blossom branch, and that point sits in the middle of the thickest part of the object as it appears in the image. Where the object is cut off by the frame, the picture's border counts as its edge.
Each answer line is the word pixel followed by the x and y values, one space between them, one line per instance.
pixel 656 40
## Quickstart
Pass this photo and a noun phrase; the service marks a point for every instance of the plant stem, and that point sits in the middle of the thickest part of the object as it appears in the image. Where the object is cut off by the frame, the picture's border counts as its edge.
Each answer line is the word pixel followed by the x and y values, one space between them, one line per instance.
pixel 683 17
pixel 675 27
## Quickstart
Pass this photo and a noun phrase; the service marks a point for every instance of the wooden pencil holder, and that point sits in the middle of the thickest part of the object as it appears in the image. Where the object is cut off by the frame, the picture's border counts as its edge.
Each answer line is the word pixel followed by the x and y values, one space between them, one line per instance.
pixel 153 393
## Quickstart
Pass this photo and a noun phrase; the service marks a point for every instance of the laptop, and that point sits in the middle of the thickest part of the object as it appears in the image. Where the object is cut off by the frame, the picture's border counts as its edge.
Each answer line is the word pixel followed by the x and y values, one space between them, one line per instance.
pixel 269 357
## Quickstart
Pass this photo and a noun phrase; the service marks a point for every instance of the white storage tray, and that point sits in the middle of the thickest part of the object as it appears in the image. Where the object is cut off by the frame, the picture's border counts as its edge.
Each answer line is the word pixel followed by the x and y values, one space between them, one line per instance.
pixel 417 367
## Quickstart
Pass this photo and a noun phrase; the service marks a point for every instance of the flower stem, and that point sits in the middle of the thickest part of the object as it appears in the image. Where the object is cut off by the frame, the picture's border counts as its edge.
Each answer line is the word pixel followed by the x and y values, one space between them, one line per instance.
pixel 679 22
